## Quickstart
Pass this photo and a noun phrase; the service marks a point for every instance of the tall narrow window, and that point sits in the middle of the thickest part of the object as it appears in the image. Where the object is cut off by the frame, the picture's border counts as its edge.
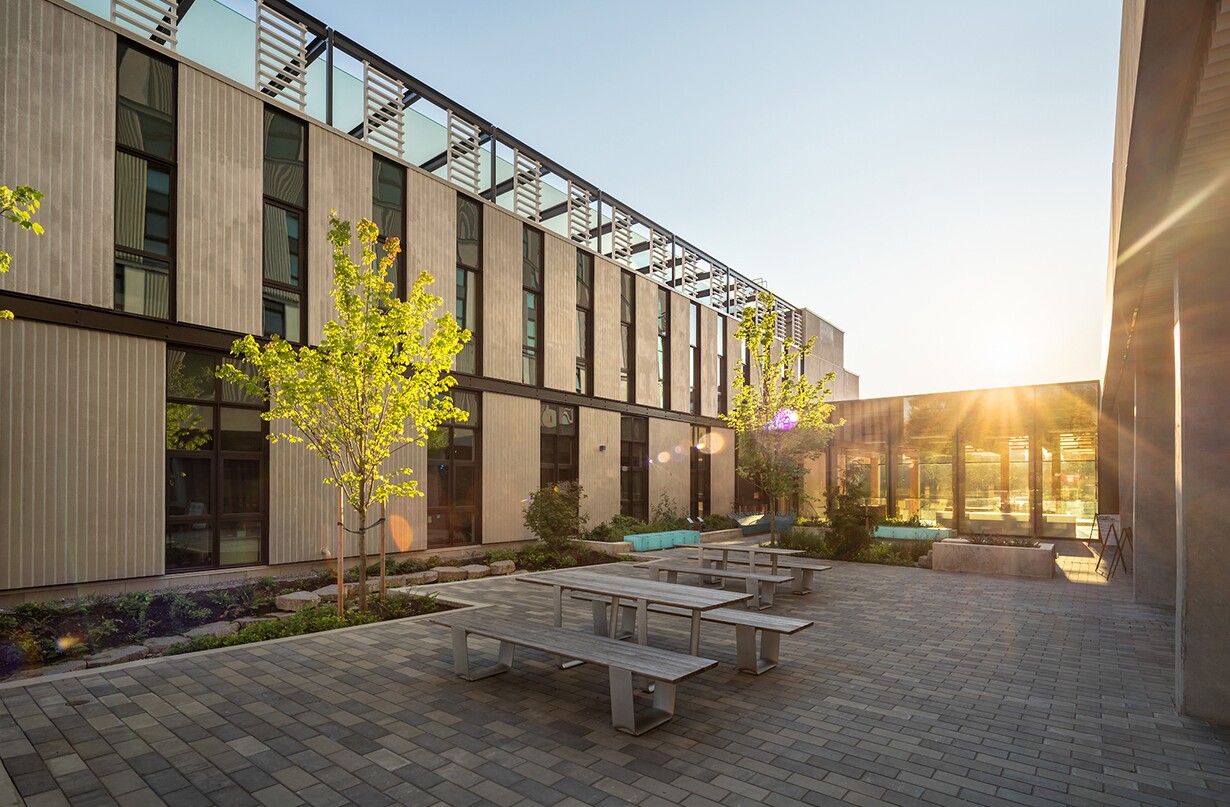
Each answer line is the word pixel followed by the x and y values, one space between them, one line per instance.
pixel 722 369
pixel 634 467
pixel 664 348
pixel 285 212
pixel 389 213
pixel 694 359
pixel 217 467
pixel 701 473
pixel 585 323
pixel 531 306
pixel 469 264
pixel 627 337
pixel 144 183
pixel 453 473
pixel 558 440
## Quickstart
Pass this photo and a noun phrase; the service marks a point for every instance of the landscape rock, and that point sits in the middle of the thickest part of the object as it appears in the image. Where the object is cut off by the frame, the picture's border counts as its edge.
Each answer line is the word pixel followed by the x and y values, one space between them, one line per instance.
pixel 503 567
pixel 297 601
pixel 72 665
pixel 446 574
pixel 327 593
pixel 213 629
pixel 117 655
pixel 245 621
pixel 158 644
pixel 280 615
pixel 420 578
pixel 474 571
pixel 393 580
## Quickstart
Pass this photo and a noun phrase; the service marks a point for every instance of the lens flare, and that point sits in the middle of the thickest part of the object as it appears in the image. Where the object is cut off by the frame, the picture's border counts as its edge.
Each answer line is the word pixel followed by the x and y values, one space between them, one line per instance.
pixel 403 533
pixel 711 443
pixel 783 421
pixel 66 643
pixel 664 456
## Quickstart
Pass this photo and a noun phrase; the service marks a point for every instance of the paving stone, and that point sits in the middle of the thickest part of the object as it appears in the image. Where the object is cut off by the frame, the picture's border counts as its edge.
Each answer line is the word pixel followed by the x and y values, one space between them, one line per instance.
pixel 224 628
pixel 298 600
pixel 117 655
pixel 447 574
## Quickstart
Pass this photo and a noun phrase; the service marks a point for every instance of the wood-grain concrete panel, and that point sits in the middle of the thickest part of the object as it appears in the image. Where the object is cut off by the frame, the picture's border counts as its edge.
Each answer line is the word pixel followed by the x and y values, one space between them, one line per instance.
pixel 431 237
pixel 607 344
pixel 81 456
pixel 598 463
pixel 218 270
pixel 670 444
pixel 510 464
pixel 501 325
pixel 560 313
pixel 57 134
pixel 646 341
pixel 708 361
pixel 680 346
pixel 722 470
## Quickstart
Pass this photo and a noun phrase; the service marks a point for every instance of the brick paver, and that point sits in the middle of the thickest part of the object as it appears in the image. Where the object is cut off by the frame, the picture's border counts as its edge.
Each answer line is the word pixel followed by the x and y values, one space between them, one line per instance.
pixel 914 687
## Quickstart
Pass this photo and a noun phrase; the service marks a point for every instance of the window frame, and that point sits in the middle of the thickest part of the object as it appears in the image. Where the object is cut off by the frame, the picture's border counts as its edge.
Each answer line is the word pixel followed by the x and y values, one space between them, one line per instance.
pixel 556 437
pixel 401 285
pixel 585 365
pixel 536 351
pixel 477 272
pixel 627 336
pixel 449 510
pixel 634 459
pixel 664 348
pixel 303 289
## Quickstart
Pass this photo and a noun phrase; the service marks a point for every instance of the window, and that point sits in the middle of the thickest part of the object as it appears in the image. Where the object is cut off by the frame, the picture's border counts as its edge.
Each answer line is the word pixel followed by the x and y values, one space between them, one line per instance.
pixel 453 470
pixel 285 212
pixel 585 323
pixel 701 472
pixel 627 337
pixel 694 359
pixel 531 306
pixel 634 467
pixel 664 348
pixel 559 444
pixel 722 369
pixel 469 263
pixel 217 467
pixel 144 183
pixel 389 213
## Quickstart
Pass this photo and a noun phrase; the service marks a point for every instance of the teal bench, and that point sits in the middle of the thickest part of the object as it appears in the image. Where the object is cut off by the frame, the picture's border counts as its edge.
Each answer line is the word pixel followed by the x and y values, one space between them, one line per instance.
pixel 649 541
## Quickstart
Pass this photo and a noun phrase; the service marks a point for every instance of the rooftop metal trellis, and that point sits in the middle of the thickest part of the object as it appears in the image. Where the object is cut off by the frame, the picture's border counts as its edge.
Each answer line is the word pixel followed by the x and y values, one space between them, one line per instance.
pixel 156 19
pixel 384 111
pixel 527 186
pixel 661 249
pixel 281 57
pixel 580 214
pixel 688 272
pixel 621 237
pixel 464 145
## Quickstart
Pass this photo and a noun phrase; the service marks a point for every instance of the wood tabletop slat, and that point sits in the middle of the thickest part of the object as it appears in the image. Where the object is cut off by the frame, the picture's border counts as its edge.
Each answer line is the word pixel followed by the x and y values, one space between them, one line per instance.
pixel 759 550
pixel 696 568
pixel 638 588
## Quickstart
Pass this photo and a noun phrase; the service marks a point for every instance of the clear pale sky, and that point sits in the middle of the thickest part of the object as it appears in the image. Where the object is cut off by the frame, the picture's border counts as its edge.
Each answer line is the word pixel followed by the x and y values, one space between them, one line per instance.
pixel 932 178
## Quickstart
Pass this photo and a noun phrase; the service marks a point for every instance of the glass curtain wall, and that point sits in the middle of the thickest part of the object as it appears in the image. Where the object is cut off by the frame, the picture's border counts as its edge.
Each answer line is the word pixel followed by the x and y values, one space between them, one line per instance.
pixel 996 443
pixel 860 451
pixel 1067 429
pixel 924 458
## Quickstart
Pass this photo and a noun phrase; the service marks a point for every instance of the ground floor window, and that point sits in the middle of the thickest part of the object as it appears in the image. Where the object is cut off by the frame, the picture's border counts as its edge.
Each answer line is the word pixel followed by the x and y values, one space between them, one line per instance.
pixel 634 467
pixel 558 456
pixel 217 491
pixel 453 485
pixel 701 472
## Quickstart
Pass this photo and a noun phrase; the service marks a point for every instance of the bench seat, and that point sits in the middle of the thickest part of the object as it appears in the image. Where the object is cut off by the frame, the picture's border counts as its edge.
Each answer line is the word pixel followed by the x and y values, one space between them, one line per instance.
pixel 802 570
pixel 760 585
pixel 622 659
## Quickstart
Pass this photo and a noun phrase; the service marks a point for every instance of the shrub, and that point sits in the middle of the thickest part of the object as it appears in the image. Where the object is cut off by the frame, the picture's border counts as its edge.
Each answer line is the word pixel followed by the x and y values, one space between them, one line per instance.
pixel 1002 540
pixel 807 540
pixel 667 516
pixel 553 513
pixel 914 520
pixel 718 521
pixel 846 514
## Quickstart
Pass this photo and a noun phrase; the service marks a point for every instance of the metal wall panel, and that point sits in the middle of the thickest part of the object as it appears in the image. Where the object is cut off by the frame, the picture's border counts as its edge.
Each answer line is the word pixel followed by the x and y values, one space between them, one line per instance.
pixel 560 312
pixel 607 343
pixel 598 470
pixel 57 134
pixel 81 456
pixel 708 361
pixel 339 178
pixel 722 468
pixel 501 342
pixel 510 460
pixel 680 340
pixel 670 453
pixel 218 271
pixel 646 341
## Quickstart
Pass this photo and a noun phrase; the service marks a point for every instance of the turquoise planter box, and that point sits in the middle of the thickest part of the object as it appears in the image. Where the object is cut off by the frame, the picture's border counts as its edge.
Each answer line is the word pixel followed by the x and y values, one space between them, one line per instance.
pixel 914 533
pixel 647 542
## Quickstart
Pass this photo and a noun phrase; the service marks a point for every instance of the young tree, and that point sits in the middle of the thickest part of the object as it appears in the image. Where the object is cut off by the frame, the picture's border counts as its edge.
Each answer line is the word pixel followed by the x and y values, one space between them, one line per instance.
pixel 18 205
pixel 375 383
pixel 780 419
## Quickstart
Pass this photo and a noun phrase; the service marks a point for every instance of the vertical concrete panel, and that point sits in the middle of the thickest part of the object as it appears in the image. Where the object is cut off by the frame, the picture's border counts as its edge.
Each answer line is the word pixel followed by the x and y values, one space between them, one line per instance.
pixel 669 470
pixel 646 342
pixel 501 343
pixel 708 361
pixel 339 178
pixel 302 509
pixel 81 453
pixel 407 515
pixel 431 237
pixel 57 134
pixel 598 470
pixel 606 330
pixel 680 339
pixel 1127 445
pixel 722 481
pixel 511 454
pixel 560 311
pixel 218 274
pixel 1153 498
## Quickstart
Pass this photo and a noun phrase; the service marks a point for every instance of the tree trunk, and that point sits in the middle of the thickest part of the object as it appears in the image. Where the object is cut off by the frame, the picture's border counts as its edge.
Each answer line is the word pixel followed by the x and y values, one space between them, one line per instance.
pixel 341 561
pixel 362 559
pixel 384 542
pixel 772 521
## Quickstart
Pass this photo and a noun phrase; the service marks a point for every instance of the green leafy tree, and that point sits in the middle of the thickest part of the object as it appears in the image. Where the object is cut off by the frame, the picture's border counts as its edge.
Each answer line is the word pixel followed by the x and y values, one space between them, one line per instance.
pixel 376 383
pixel 18 205
pixel 780 418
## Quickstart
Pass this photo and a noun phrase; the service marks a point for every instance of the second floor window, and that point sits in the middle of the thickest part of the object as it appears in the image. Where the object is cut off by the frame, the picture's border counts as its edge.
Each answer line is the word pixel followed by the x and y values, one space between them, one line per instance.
pixel 144 183
pixel 389 213
pixel 285 264
pixel 531 306
pixel 722 369
pixel 469 265
pixel 627 337
pixel 585 323
pixel 664 348
pixel 694 358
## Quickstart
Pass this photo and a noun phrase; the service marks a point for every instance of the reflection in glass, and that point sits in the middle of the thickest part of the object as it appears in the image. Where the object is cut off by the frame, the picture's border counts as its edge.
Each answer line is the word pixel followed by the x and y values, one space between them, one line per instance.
pixel 189 427
pixel 285 159
pixel 924 458
pixel 281 313
pixel 282 245
pixel 1067 427
pixel 996 444
pixel 240 543
pixel 467 317
pixel 189 546
pixel 241 486
pixel 145 114
pixel 469 232
pixel 189 483
pixel 241 430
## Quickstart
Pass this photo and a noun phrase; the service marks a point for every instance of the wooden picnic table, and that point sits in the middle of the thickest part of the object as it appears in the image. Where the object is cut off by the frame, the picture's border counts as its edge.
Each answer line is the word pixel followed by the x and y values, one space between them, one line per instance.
pixel 638 591
pixel 772 552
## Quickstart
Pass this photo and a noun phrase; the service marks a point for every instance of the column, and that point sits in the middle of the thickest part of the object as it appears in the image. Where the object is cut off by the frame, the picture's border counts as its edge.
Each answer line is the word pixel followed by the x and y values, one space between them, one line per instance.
pixel 1153 495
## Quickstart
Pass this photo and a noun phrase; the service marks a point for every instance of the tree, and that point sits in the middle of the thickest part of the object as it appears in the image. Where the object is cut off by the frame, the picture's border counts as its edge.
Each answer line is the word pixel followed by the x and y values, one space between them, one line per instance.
pixel 376 383
pixel 553 513
pixel 18 205
pixel 780 418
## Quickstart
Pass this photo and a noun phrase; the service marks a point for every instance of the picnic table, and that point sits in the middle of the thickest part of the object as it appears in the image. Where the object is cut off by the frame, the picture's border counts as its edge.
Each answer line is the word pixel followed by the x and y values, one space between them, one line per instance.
pixel 770 552
pixel 638 592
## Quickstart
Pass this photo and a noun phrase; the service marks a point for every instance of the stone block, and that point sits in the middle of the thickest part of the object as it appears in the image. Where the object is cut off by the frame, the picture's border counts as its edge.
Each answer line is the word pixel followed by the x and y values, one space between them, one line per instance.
pixel 117 655
pixel 446 574
pixel 73 665
pixel 503 567
pixel 420 578
pixel 225 628
pixel 245 621
pixel 475 571
pixel 158 644
pixel 297 601
pixel 328 593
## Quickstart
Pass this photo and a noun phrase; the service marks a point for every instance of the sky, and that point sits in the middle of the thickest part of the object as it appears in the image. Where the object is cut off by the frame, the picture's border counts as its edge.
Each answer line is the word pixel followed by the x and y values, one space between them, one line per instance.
pixel 932 178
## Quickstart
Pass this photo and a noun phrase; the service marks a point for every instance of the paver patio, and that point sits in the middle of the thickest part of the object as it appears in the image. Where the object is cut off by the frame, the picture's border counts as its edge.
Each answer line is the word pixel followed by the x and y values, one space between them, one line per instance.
pixel 913 687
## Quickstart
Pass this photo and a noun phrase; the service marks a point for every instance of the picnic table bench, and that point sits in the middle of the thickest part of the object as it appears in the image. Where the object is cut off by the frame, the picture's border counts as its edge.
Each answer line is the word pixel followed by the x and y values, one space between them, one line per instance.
pixel 802 570
pixel 760 585
pixel 623 660
pixel 747 625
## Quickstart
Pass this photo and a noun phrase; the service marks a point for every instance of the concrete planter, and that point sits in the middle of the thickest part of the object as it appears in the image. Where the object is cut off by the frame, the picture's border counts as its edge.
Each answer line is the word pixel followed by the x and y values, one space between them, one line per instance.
pixel 959 555
pixel 719 536
pixel 890 533
pixel 612 548
pixel 649 541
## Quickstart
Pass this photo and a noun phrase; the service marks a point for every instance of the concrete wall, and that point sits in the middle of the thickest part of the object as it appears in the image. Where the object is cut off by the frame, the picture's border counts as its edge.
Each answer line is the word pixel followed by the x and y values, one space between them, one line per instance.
pixel 670 444
pixel 722 465
pixel 501 325
pixel 598 469
pixel 510 465
pixel 606 329
pixel 559 350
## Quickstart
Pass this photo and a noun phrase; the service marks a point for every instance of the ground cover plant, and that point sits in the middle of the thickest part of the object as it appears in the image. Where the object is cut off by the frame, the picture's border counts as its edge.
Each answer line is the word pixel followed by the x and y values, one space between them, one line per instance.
pixel 816 544
pixel 665 517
